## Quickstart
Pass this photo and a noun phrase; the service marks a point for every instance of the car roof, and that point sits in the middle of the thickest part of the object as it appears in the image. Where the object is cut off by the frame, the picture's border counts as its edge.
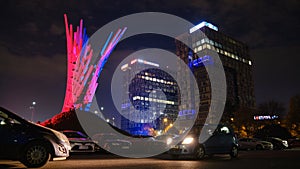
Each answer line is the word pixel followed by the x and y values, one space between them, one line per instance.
pixel 14 115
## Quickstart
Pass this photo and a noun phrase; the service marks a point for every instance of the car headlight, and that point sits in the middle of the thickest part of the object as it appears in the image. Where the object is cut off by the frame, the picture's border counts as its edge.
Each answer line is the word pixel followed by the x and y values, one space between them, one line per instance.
pixel 188 140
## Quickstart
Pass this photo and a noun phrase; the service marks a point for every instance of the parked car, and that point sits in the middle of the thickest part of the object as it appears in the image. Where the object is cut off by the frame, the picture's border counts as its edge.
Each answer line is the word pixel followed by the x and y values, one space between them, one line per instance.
pixel 221 141
pixel 80 142
pixel 254 144
pixel 295 142
pixel 31 144
pixel 278 144
pixel 111 142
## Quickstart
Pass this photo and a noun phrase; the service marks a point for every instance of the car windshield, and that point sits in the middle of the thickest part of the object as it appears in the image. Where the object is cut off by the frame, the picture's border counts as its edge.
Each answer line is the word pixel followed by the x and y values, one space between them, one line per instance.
pixel 4 119
pixel 75 135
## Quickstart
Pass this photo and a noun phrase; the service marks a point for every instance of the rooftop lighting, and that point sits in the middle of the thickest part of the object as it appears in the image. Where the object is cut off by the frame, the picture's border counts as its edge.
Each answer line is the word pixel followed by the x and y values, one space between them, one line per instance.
pixel 202 24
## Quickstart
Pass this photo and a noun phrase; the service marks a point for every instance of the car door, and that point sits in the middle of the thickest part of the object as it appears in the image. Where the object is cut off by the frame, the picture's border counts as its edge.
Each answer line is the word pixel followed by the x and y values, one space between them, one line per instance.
pixel 243 142
pixel 220 141
pixel 11 136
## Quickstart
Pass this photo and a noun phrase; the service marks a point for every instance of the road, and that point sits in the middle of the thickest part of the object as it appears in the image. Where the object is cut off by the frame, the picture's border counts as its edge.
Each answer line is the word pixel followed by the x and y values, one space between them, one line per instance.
pixel 287 159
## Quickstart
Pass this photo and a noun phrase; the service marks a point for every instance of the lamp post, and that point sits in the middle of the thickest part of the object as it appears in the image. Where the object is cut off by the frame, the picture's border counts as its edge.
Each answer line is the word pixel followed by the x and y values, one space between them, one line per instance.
pixel 32 108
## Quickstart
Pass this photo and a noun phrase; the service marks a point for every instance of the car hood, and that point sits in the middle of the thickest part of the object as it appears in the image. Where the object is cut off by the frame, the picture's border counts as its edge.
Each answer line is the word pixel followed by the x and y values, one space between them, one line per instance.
pixel 41 128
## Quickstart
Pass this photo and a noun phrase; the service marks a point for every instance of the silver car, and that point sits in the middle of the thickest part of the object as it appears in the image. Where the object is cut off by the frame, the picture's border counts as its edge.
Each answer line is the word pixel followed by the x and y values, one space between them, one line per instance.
pixel 80 142
pixel 254 144
pixel 31 144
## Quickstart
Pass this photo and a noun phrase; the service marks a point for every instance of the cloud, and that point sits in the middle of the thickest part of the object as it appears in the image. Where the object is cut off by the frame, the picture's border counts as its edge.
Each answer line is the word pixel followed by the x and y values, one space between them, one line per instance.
pixel 276 73
pixel 29 27
pixel 42 68
pixel 56 29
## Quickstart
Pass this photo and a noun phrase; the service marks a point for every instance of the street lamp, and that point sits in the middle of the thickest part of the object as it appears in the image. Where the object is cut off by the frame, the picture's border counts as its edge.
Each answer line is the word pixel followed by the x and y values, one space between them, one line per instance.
pixel 32 108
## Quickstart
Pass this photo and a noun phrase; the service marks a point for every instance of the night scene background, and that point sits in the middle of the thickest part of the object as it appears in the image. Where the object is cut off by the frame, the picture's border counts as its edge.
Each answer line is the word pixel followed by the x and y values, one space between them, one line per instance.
pixel 33 45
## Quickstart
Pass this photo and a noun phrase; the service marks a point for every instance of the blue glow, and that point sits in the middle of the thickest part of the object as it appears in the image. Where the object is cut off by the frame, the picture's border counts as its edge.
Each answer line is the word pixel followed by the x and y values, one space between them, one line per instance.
pixel 106 43
pixel 125 105
pixel 186 112
pixel 87 107
pixel 202 24
pixel 203 61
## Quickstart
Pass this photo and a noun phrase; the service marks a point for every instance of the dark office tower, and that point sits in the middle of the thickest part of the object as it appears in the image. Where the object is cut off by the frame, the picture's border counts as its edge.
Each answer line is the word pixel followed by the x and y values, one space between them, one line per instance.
pixel 151 103
pixel 235 59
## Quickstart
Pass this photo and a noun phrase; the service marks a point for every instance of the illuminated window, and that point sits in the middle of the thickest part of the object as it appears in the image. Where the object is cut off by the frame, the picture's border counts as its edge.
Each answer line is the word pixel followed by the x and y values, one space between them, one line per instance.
pixel 199 48
pixel 208 46
pixel 206 40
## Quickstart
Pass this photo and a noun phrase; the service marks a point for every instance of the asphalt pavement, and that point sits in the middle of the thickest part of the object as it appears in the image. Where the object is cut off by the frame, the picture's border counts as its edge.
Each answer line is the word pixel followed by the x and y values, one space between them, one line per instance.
pixel 283 159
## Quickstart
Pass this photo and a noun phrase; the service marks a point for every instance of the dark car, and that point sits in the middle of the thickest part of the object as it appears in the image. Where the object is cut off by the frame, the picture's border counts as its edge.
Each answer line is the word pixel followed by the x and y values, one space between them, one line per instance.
pixel 221 141
pixel 31 144
pixel 80 142
pixel 293 143
pixel 278 144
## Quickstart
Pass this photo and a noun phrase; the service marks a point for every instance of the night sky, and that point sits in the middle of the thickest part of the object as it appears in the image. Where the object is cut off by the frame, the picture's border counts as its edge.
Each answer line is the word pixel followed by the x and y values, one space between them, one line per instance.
pixel 33 45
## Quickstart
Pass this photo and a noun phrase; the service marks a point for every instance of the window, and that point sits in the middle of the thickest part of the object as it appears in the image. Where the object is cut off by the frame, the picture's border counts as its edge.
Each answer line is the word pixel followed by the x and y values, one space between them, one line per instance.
pixel 199 48
pixel 202 41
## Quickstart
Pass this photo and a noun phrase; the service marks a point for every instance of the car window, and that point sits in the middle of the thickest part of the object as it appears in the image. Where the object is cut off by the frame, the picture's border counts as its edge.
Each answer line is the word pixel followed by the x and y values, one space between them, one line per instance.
pixel 5 119
pixel 3 115
pixel 74 135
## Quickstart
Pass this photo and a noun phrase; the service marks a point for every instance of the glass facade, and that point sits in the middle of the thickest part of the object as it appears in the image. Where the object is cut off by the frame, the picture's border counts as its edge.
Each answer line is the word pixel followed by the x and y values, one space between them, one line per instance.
pixel 151 104
pixel 236 62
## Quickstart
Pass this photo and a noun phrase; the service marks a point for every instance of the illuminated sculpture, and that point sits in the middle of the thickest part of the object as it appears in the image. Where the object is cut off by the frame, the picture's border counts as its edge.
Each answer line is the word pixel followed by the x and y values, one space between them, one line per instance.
pixel 82 75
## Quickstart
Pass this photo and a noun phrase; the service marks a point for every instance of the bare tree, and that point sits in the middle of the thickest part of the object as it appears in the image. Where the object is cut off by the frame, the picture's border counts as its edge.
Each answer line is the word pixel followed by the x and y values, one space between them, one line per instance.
pixel 272 108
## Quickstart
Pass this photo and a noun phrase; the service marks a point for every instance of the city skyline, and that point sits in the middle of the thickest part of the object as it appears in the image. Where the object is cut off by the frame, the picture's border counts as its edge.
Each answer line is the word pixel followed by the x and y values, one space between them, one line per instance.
pixel 33 50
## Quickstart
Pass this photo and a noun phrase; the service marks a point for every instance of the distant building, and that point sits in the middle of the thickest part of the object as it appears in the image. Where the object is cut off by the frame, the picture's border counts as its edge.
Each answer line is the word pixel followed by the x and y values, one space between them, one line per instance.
pixel 151 103
pixel 236 61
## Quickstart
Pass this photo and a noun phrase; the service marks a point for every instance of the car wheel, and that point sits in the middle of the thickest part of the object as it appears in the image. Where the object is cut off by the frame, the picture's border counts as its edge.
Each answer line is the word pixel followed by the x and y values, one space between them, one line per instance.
pixel 35 155
pixel 259 147
pixel 234 152
pixel 200 152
